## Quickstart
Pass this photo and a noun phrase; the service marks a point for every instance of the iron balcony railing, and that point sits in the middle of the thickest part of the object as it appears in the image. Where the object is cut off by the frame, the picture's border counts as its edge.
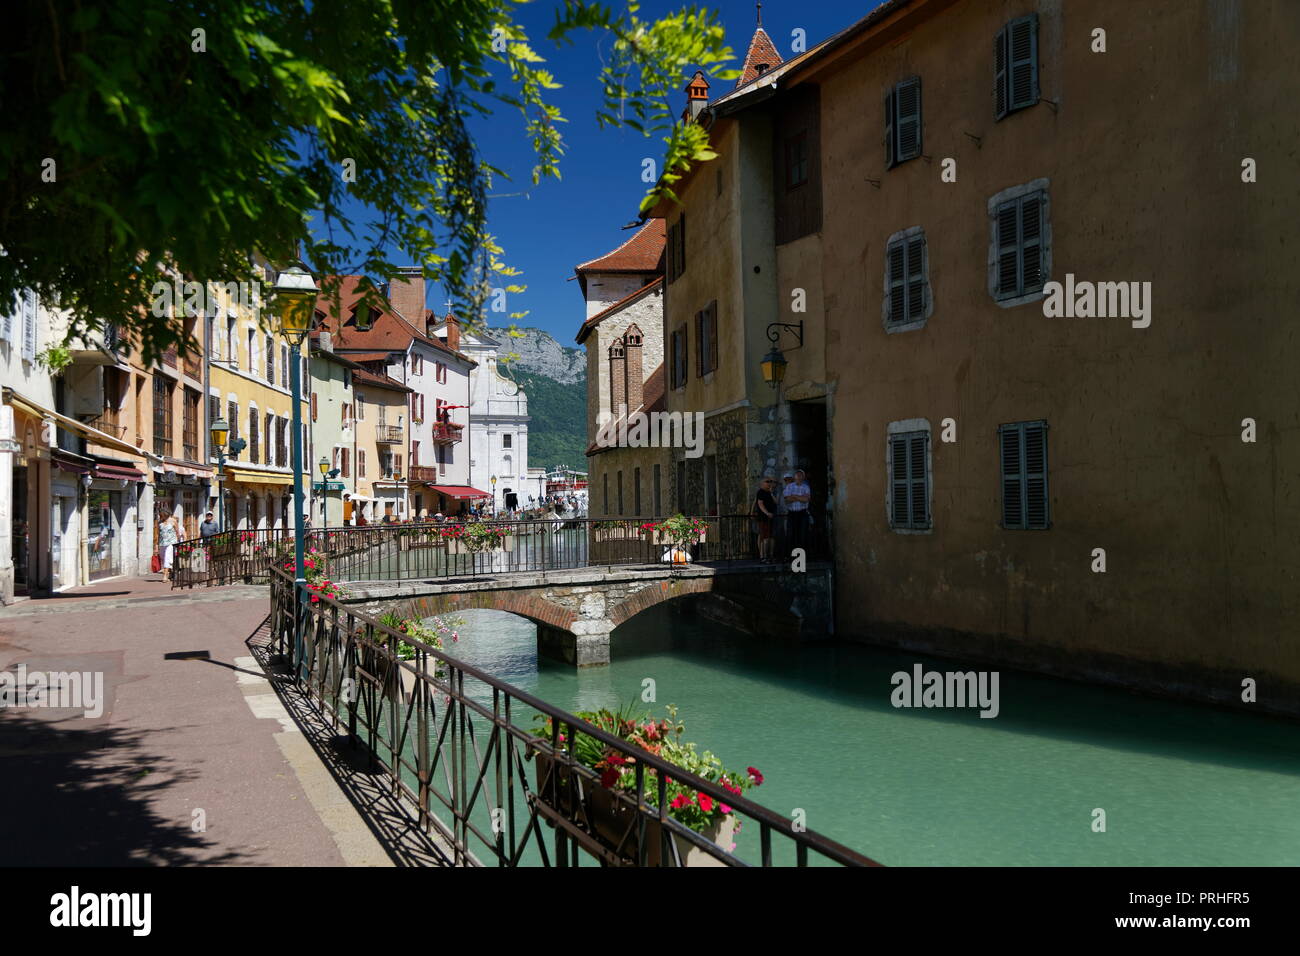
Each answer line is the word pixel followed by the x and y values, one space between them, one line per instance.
pixel 453 743
pixel 388 434
pixel 447 433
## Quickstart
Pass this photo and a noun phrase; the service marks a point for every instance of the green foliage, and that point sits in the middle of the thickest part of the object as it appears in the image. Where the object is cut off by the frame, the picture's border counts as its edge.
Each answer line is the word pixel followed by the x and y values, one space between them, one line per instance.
pixel 557 434
pixel 54 359
pixel 189 153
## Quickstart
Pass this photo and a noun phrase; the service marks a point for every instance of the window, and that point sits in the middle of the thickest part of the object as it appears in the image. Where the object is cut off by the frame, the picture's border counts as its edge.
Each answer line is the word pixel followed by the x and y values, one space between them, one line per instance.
pixel 313 406
pixel 620 492
pixel 361 407
pixel 415 453
pixel 706 338
pixel 903 122
pixel 29 318
pixel 681 485
pixel 675 257
pixel 657 490
pixel 361 463
pixel 1021 253
pixel 1015 66
pixel 189 423
pixel 711 484
pixel 252 352
pixel 284 363
pixel 270 362
pixel 232 419
pixel 252 435
pixel 162 416
pixel 907 281
pixel 1024 476
pixel 909 484
pixel 232 343
pixel 796 160
pixel 605 493
pixel 636 491
pixel 364 319
pixel 282 443
pixel 270 438
pixel 679 358
pixel 346 462
pixel 505 441
pixel 347 413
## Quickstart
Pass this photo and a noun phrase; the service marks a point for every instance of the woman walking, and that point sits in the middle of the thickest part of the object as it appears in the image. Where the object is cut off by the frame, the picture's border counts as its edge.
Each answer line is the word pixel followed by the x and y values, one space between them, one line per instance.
pixel 168 535
pixel 763 511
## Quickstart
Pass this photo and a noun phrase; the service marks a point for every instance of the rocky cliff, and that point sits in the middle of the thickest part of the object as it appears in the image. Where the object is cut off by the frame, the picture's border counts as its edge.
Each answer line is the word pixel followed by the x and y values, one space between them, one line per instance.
pixel 540 354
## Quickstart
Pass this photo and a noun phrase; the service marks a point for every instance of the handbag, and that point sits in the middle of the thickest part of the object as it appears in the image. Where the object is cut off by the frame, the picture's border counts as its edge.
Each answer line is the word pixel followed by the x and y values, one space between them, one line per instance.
pixel 156 563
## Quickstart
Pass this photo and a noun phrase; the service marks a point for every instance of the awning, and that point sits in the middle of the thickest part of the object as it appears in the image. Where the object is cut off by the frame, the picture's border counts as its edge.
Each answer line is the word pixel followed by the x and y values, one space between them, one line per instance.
pixel 117 471
pixel 66 461
pixel 94 434
pixel 258 477
pixel 460 491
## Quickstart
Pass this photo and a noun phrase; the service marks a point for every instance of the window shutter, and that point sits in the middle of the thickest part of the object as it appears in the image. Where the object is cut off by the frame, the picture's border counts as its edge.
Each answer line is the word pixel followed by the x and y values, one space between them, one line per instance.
pixel 1000 73
pixel 915 278
pixel 701 337
pixel 361 463
pixel 7 321
pixel 1022 49
pixel 898 480
pixel 1031 243
pixel 1013 515
pixel 681 245
pixel 29 325
pixel 313 406
pixel 1008 222
pixel 916 479
pixel 1036 511
pixel 907 118
pixel 891 152
pixel 897 259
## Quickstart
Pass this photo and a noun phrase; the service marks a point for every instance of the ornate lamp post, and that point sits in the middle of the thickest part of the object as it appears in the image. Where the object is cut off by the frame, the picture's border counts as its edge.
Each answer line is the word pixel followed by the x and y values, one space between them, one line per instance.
pixel 292 304
pixel 494 496
pixel 220 431
pixel 324 467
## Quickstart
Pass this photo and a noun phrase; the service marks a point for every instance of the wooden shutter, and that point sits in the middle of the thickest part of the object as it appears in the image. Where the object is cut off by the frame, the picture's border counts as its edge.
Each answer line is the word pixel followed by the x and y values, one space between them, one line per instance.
pixel 313 406
pixel 270 439
pixel 1008 251
pixel 907 119
pixel 891 150
pixel 916 477
pixel 1013 498
pixel 1000 74
pixel 29 325
pixel 1022 62
pixel 361 463
pixel 1031 243
pixel 1024 476
pixel 916 278
pixel 7 320
pixel 896 258
pixel 898 481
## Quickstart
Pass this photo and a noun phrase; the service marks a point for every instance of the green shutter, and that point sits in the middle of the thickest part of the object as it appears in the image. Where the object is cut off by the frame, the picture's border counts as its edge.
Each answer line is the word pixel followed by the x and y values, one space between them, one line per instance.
pixel 1022 62
pixel 898 481
pixel 917 480
pixel 1008 249
pixel 1013 499
pixel 916 278
pixel 890 151
pixel 907 118
pixel 1036 507
pixel 1031 243
pixel 896 257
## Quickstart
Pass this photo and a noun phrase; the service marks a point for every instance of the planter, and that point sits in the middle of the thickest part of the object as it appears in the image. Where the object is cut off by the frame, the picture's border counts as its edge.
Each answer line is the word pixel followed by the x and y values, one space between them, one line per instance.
pixel 589 803
pixel 659 538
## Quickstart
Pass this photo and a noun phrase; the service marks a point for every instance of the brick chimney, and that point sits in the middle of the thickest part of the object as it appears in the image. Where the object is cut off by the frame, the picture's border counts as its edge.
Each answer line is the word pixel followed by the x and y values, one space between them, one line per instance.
pixel 406 294
pixel 617 379
pixel 453 332
pixel 632 362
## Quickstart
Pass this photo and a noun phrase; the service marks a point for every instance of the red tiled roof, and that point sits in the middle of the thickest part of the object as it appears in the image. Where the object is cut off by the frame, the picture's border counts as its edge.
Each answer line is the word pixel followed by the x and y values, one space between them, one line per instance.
pixel 596 319
pixel 641 253
pixel 390 330
pixel 368 356
pixel 762 51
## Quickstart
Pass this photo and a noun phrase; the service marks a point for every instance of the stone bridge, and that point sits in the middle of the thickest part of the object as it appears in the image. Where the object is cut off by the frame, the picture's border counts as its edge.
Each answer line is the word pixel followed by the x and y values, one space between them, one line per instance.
pixel 577 609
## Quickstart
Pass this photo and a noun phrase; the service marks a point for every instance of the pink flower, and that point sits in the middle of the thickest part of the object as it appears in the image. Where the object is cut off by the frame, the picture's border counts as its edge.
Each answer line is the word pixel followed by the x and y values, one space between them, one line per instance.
pixel 754 775
pixel 724 808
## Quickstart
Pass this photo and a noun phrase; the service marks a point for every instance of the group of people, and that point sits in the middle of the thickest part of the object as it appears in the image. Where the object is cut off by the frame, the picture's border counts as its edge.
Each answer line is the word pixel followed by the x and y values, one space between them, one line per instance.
pixel 786 507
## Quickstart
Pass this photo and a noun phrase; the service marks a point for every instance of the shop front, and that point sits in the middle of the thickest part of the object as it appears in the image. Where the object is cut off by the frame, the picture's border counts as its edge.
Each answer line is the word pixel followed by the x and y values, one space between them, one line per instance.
pixel 113 532
pixel 257 501
pixel 455 500
pixel 181 491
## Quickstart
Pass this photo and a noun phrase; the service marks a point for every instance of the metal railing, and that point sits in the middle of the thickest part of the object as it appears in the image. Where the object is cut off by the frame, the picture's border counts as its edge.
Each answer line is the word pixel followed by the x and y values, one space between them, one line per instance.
pixel 450 742
pixel 421 551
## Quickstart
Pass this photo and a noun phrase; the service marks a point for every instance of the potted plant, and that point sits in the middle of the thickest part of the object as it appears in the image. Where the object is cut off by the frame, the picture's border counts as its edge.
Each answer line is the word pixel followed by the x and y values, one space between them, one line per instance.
pixel 608 804
pixel 430 634
pixel 680 533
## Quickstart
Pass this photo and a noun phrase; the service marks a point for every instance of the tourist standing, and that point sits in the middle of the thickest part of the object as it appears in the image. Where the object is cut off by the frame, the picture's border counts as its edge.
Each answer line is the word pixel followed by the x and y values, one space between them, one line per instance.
pixel 168 535
pixel 764 512
pixel 797 495
pixel 208 527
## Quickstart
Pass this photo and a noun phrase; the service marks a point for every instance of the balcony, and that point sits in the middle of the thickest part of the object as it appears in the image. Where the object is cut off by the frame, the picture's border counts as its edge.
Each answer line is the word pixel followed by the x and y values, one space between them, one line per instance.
pixel 389 434
pixel 424 473
pixel 447 433
pixel 107 422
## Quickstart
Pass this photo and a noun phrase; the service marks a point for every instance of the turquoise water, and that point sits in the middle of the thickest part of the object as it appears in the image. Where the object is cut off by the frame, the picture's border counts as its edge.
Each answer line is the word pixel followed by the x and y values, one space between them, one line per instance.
pixel 1180 784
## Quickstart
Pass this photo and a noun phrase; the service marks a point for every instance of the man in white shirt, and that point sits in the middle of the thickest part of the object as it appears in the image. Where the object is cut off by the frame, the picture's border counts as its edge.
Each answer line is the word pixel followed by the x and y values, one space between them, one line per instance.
pixel 796 496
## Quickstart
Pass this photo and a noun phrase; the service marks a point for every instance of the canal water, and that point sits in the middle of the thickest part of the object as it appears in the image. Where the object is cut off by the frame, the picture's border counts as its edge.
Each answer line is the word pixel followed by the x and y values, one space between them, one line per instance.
pixel 1180 784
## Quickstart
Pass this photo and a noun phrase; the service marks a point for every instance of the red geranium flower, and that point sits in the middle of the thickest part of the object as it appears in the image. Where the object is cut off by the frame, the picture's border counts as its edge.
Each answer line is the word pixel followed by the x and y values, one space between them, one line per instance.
pixel 706 803
pixel 680 801
pixel 609 777
pixel 754 775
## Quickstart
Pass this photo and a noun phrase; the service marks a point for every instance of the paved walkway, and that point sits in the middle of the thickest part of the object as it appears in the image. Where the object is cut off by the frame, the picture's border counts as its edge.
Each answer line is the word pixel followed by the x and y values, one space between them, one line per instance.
pixel 193 760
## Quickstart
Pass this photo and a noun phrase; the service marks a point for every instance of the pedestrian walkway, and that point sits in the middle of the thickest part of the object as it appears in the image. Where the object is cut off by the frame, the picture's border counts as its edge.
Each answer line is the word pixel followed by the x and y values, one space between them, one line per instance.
pixel 188 756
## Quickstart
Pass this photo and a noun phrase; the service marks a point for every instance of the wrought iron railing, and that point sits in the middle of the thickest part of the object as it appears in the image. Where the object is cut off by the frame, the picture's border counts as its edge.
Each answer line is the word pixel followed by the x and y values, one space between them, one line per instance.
pixel 420 551
pixel 452 743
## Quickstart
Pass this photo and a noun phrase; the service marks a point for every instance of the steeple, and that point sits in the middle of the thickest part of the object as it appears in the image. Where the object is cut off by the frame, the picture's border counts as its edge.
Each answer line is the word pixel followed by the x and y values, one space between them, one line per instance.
pixel 762 55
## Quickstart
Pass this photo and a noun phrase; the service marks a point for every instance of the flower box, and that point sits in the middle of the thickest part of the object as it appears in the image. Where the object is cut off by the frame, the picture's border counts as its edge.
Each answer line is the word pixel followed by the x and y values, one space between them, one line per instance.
pixel 586 802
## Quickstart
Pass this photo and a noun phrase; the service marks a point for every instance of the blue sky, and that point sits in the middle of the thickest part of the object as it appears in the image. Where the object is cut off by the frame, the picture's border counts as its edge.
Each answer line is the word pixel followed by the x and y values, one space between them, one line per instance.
pixel 561 223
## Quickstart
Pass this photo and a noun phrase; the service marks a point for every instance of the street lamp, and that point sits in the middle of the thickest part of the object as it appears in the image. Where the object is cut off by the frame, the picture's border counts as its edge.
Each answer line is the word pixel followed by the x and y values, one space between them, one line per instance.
pixel 324 467
pixel 292 304
pixel 774 363
pixel 494 495
pixel 220 431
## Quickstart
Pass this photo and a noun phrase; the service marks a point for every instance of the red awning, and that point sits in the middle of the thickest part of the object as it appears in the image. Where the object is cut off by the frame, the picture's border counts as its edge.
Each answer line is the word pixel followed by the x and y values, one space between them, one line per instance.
pixel 460 491
pixel 117 471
